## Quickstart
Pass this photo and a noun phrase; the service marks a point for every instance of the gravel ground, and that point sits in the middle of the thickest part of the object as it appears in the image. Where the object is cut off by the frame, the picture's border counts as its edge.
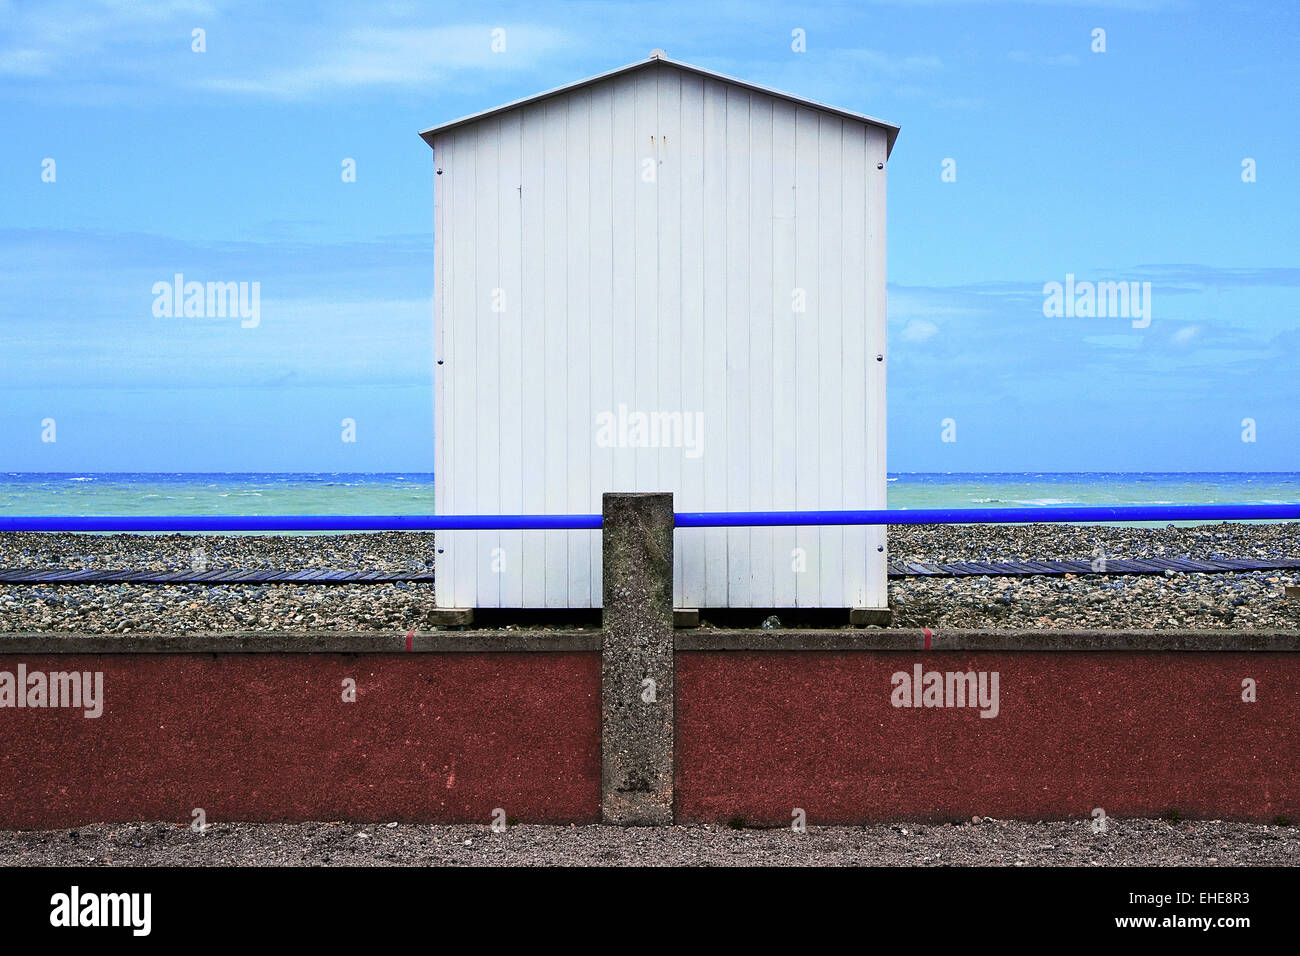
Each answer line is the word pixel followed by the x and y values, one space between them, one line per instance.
pixel 1173 601
pixel 988 843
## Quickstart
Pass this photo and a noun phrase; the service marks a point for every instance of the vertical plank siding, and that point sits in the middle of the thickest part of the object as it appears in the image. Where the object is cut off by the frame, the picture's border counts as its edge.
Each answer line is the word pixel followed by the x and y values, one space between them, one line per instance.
pixel 661 242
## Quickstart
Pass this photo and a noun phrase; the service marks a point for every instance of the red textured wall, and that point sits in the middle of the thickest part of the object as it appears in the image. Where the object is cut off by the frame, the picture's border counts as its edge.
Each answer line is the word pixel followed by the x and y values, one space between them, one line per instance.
pixel 761 733
pixel 434 737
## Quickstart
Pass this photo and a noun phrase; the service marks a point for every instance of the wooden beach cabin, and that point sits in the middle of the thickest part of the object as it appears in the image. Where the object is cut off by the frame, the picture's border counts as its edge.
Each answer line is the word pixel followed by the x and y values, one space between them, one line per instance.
pixel 661 279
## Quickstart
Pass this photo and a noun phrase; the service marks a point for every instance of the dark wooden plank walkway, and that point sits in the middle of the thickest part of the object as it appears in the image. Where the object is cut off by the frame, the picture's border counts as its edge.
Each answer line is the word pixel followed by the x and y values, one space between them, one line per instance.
pixel 965 569
pixel 214 576
pixel 960 569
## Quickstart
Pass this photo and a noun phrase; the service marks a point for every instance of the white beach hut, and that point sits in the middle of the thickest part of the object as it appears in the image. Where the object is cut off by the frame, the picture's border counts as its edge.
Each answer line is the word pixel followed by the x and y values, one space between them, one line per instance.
pixel 661 279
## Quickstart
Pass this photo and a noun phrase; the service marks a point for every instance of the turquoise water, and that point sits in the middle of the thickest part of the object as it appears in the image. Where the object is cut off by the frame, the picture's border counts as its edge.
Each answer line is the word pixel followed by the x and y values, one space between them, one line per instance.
pixel 1000 490
pixel 215 494
pixel 285 494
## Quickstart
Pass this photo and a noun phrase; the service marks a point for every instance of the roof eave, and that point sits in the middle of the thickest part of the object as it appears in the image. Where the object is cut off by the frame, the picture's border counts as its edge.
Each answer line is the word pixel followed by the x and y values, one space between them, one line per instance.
pixel 891 131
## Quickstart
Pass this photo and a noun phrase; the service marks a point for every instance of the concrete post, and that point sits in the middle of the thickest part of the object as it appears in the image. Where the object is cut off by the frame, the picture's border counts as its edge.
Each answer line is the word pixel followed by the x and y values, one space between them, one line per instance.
pixel 636 775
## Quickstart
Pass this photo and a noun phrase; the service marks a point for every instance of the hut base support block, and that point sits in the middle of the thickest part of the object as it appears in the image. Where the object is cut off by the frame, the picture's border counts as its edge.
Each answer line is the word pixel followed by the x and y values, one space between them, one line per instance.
pixel 870 616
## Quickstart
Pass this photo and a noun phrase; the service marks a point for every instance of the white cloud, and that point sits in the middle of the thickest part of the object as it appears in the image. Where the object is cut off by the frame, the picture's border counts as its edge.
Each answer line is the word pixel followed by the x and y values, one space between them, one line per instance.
pixel 25 62
pixel 918 302
pixel 1043 59
pixel 115 46
pixel 37 40
pixel 395 56
pixel 919 330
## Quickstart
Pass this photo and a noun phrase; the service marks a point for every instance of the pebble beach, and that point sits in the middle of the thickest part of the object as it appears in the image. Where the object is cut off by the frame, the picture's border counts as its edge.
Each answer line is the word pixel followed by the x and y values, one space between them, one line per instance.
pixel 1172 600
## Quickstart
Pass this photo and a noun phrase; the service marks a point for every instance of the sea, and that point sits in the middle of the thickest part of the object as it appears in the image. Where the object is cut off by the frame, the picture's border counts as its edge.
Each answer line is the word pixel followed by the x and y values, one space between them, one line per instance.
pixel 406 494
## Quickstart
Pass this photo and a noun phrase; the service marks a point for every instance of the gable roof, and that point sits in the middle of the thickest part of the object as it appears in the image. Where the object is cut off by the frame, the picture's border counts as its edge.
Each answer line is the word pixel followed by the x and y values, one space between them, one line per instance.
pixel 891 131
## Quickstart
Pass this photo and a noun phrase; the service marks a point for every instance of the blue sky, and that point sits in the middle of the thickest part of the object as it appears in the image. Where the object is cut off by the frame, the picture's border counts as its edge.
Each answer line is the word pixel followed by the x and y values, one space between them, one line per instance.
pixel 1124 165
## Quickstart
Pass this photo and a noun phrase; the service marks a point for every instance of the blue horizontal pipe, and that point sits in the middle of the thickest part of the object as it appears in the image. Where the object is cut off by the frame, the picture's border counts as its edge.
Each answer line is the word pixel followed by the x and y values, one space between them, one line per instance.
pixel 301 523
pixel 754 519
pixel 689 519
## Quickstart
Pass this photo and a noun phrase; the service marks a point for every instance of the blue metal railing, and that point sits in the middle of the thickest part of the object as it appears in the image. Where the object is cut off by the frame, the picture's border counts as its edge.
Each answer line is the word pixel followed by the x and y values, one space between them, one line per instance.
pixel 688 519
pixel 1054 513
pixel 302 523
